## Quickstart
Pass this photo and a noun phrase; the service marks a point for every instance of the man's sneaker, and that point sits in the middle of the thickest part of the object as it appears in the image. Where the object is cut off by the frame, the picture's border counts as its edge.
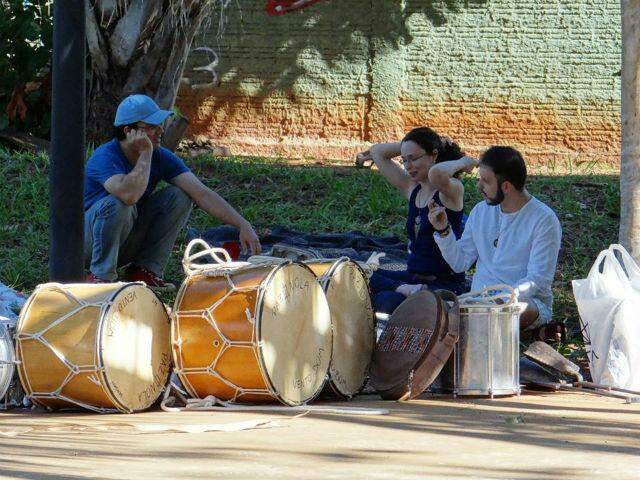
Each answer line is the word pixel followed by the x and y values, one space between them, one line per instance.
pixel 141 274
pixel 91 278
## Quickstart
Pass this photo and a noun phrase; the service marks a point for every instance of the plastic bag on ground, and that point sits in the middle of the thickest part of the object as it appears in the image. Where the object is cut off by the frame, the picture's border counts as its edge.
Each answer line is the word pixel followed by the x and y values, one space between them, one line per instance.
pixel 608 302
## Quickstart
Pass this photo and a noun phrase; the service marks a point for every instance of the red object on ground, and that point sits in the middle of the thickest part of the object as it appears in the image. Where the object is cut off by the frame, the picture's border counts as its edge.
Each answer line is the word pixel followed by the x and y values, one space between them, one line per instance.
pixel 233 249
pixel 280 7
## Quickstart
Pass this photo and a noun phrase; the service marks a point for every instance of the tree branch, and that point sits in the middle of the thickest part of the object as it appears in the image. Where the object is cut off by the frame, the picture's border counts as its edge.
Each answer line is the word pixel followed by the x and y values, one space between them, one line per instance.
pixel 95 42
pixel 124 39
pixel 170 81
pixel 145 67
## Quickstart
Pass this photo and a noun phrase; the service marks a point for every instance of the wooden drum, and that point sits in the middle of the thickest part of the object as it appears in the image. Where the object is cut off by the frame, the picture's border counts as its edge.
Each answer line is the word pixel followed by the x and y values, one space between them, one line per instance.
pixel 353 320
pixel 104 347
pixel 252 333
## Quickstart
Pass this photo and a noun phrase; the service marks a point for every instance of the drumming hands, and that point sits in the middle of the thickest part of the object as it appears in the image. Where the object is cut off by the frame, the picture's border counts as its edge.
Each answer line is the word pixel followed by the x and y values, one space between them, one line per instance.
pixel 437 216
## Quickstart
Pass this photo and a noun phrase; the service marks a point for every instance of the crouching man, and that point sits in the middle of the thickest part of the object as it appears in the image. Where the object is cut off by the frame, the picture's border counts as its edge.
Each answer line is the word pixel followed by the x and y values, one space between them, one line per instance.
pixel 126 220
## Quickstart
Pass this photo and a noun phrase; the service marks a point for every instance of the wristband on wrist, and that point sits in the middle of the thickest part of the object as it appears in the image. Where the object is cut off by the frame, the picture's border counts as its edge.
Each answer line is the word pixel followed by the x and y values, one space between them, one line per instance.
pixel 443 232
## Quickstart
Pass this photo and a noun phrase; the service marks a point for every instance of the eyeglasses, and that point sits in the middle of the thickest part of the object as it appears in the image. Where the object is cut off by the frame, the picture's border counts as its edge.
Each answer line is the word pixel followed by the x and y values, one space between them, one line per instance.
pixel 150 128
pixel 407 160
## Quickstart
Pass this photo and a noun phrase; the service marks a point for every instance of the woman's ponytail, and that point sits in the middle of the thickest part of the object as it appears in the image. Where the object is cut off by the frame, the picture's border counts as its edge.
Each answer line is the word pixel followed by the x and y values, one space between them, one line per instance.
pixel 429 141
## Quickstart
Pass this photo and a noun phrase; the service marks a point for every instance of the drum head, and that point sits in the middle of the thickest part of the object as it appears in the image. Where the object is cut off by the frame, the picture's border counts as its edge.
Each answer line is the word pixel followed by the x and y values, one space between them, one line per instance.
pixel 7 354
pixel 294 334
pixel 135 347
pixel 405 344
pixel 354 328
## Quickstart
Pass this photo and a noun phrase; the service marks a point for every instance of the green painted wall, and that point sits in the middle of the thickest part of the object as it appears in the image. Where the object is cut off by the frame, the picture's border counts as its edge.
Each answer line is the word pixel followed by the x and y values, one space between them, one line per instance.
pixel 543 76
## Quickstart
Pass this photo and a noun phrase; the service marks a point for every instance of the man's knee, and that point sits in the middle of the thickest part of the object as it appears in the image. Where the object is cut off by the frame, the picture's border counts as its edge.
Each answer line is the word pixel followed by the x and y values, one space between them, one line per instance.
pixel 178 200
pixel 114 209
pixel 536 314
pixel 529 315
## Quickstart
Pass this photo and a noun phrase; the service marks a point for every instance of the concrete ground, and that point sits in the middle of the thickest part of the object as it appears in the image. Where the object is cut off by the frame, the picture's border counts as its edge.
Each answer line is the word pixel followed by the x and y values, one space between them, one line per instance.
pixel 535 436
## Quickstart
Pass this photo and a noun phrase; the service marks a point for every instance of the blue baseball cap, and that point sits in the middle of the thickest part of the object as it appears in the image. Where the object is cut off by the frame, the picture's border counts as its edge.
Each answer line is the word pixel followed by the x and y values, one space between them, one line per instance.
pixel 140 108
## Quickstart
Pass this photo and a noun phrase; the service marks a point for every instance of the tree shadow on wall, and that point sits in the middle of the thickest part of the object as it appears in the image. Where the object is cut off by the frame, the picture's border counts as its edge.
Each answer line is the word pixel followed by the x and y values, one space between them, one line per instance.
pixel 260 55
pixel 438 11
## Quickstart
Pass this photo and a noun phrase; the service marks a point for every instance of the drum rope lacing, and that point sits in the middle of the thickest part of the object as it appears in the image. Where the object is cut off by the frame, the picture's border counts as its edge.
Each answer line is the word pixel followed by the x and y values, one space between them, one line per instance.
pixel 222 261
pixel 212 403
pixel 73 368
pixel 225 343
pixel 501 295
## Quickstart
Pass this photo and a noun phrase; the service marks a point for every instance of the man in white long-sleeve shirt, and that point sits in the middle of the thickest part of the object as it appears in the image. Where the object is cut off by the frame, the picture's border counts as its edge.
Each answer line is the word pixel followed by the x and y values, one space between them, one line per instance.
pixel 512 237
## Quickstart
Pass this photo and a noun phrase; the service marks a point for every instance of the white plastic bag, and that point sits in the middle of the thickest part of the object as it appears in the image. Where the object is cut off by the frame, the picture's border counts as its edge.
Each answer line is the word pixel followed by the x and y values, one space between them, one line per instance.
pixel 609 305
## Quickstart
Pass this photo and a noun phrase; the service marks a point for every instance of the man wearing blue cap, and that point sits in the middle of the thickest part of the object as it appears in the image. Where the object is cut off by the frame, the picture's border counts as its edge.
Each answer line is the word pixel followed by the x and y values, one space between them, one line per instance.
pixel 126 220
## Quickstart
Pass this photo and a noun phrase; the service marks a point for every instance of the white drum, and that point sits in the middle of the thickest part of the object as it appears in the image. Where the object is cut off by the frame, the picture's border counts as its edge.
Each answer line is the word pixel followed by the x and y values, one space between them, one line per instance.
pixel 347 290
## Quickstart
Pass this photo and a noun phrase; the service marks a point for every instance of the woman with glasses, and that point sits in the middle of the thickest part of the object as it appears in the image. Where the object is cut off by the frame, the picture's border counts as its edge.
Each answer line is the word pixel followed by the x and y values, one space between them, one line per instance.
pixel 430 166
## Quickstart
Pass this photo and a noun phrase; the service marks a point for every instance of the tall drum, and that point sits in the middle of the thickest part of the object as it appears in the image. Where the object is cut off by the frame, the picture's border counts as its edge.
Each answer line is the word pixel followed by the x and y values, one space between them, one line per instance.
pixel 486 359
pixel 347 291
pixel 251 333
pixel 104 347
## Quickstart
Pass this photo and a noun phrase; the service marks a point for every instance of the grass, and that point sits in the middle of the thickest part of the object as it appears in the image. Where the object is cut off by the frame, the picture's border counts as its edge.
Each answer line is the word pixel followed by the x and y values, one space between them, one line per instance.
pixel 315 199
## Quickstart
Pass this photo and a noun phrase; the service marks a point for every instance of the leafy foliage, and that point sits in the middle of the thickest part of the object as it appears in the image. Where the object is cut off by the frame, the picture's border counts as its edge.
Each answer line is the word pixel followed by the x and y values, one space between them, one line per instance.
pixel 25 51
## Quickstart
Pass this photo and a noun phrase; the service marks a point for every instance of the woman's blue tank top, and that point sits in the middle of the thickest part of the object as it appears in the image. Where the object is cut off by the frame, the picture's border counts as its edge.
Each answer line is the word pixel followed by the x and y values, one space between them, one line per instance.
pixel 424 254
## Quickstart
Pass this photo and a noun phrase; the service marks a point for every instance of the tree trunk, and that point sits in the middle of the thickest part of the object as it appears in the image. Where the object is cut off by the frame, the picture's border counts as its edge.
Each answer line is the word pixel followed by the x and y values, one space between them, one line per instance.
pixel 630 116
pixel 177 126
pixel 139 48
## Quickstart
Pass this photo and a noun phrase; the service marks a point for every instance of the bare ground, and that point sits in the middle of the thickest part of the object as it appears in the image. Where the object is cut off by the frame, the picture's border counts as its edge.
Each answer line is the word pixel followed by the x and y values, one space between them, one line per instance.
pixel 541 436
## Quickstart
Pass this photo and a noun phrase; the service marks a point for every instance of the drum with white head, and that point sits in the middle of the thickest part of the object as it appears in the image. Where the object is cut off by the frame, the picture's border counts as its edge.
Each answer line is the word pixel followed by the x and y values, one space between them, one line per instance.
pixel 103 347
pixel 346 287
pixel 250 333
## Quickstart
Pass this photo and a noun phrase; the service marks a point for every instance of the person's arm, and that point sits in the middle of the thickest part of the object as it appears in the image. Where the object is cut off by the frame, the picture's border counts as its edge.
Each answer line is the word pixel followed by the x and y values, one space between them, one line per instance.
pixel 130 187
pixel 382 155
pixel 543 258
pixel 441 176
pixel 459 254
pixel 215 205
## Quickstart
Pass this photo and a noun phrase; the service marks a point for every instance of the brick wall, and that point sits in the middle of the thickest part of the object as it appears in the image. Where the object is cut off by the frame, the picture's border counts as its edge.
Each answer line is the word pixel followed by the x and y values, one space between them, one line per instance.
pixel 542 76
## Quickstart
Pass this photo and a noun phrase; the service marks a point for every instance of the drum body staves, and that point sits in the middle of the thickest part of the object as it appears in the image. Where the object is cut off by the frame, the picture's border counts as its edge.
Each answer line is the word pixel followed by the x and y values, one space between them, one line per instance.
pixel 104 347
pixel 252 334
